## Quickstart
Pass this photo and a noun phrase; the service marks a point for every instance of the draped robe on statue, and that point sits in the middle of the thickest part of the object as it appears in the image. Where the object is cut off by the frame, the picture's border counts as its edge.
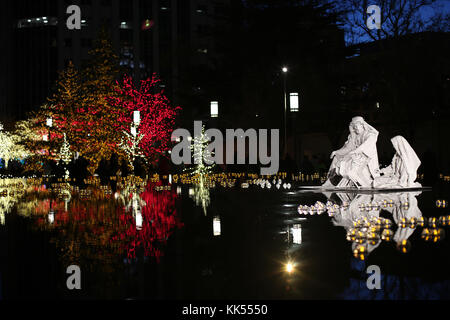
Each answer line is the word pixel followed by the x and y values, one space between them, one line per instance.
pixel 402 172
pixel 357 161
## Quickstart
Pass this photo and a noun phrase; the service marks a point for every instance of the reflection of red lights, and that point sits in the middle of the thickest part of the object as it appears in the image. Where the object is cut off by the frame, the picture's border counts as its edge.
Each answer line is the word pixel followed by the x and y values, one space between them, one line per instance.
pixel 107 226
pixel 159 215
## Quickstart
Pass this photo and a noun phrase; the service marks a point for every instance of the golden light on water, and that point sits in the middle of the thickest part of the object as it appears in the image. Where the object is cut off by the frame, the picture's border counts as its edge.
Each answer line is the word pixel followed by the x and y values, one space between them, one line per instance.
pixel 289 267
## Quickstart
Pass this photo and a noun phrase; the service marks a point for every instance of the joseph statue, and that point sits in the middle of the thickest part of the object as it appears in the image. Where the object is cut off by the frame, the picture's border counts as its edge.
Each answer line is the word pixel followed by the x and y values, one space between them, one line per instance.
pixel 356 163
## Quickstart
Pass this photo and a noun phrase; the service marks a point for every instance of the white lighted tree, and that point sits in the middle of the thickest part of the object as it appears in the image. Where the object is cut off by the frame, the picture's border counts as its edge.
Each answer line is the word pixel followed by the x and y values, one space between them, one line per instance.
pixel 130 144
pixel 65 154
pixel 201 152
pixel 10 147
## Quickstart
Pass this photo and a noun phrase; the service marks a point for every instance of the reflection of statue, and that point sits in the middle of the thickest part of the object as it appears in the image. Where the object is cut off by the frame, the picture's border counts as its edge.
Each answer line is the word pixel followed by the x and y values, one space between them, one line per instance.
pixel 404 207
pixel 363 213
pixel 403 170
pixel 357 161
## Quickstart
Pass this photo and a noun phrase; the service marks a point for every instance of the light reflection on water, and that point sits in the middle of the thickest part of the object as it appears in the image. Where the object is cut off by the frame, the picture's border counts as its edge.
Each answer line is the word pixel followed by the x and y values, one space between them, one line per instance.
pixel 232 244
pixel 367 219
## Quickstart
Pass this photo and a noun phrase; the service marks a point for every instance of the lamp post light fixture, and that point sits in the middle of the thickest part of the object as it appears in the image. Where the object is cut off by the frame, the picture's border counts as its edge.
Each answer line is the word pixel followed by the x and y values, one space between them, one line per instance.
pixel 293 97
pixel 136 117
pixel 214 109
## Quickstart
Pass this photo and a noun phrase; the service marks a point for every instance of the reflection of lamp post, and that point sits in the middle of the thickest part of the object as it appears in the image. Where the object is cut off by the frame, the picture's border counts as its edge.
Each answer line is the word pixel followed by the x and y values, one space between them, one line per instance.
pixel 294 236
pixel 216 226
pixel 138 219
pixel 297 233
pixel 51 216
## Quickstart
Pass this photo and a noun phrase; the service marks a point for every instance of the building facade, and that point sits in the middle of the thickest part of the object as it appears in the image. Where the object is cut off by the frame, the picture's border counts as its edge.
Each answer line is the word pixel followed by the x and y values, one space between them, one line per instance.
pixel 167 37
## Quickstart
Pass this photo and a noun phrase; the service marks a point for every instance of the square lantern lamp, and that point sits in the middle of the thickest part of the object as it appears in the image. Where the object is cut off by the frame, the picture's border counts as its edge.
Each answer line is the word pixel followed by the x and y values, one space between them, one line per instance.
pixel 214 109
pixel 136 117
pixel 293 99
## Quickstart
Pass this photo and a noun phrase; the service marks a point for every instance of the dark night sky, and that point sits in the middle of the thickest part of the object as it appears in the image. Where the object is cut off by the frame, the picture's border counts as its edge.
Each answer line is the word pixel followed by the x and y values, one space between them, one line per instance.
pixel 427 12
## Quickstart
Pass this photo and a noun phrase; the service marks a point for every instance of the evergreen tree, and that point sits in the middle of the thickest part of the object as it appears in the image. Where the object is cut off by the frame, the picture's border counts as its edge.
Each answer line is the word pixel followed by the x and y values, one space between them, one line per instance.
pixel 65 155
pixel 201 152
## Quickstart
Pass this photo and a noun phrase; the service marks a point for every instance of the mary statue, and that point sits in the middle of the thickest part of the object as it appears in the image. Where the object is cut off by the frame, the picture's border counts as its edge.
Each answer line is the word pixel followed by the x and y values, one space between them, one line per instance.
pixel 402 172
pixel 357 161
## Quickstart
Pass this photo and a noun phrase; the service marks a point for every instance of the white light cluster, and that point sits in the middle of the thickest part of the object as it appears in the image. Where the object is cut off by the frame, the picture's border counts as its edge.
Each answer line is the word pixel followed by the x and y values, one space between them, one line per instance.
pixel 263 183
pixel 37 22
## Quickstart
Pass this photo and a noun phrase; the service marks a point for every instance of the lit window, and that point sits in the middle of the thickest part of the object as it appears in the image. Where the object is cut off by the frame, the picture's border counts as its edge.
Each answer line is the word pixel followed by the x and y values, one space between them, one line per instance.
pixel 125 25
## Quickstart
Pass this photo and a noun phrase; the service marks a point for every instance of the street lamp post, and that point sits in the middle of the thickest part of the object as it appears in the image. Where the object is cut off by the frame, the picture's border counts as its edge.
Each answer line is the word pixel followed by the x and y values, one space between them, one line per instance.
pixel 294 108
pixel 136 122
pixel 49 124
pixel 134 132
pixel 285 70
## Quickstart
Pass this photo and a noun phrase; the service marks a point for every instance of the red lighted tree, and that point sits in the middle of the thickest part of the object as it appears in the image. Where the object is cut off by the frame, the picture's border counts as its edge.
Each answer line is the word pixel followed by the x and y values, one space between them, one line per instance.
pixel 157 114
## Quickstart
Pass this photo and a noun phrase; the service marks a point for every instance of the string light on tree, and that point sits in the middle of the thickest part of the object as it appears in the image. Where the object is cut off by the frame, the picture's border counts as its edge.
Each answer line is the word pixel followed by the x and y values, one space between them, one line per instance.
pixel 130 144
pixel 65 153
pixel 201 152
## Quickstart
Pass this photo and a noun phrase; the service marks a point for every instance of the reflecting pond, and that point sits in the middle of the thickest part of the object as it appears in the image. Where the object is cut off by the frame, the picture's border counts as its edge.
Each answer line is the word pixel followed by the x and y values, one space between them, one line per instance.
pixel 135 239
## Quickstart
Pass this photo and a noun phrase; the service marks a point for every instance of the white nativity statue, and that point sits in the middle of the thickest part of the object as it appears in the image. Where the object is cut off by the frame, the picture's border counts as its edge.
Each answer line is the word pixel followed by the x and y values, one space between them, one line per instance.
pixel 356 163
pixel 402 172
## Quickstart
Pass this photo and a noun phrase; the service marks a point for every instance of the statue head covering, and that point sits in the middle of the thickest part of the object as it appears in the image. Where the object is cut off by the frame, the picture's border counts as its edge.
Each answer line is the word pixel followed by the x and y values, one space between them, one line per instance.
pixel 409 158
pixel 367 127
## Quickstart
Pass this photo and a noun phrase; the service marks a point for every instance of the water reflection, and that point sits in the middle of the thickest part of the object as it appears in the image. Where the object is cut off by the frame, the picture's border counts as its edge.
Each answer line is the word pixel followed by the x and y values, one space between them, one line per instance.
pixel 200 193
pixel 11 191
pixel 153 220
pixel 363 216
pixel 96 225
